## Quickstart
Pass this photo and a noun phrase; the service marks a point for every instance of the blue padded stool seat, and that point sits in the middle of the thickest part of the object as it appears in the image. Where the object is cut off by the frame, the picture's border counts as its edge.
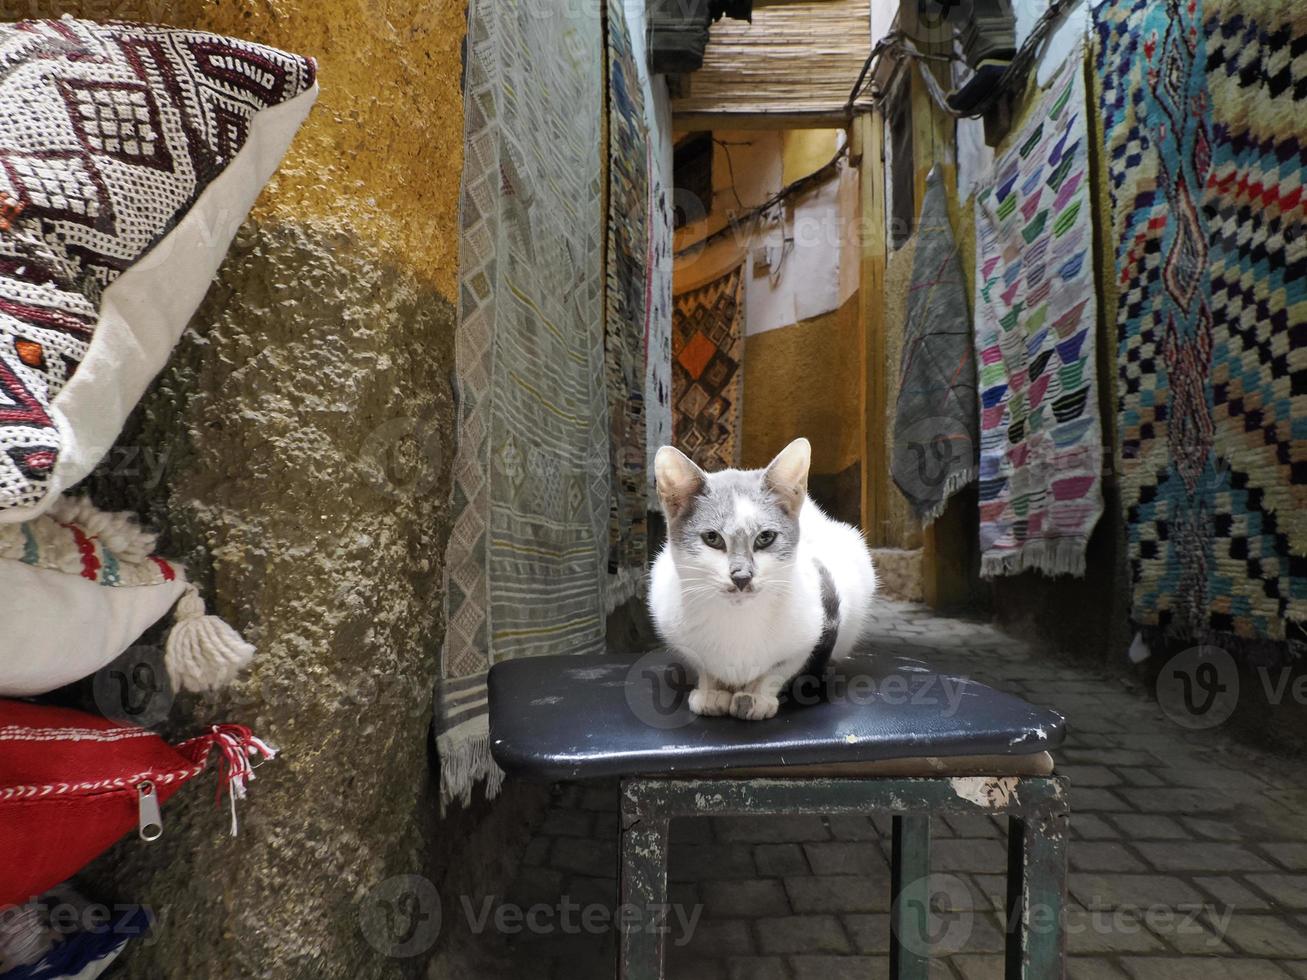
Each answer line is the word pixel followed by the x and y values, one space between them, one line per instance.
pixel 876 734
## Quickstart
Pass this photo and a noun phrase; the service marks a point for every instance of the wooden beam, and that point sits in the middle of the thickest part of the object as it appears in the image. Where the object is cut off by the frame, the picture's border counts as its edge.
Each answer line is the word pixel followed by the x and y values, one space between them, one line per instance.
pixel 698 121
pixel 946 543
pixel 868 144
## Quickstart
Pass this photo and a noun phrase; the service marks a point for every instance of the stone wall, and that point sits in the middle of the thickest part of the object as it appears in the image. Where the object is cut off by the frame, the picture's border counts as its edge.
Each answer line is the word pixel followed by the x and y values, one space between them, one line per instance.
pixel 297 453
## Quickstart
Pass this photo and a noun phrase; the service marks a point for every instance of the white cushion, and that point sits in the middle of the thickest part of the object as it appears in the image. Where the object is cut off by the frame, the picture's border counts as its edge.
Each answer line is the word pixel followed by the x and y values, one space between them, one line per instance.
pixel 60 628
pixel 75 378
pixel 77 589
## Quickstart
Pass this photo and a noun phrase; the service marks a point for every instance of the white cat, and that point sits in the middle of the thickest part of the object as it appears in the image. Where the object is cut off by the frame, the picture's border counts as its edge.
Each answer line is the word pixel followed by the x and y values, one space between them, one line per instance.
pixel 755 582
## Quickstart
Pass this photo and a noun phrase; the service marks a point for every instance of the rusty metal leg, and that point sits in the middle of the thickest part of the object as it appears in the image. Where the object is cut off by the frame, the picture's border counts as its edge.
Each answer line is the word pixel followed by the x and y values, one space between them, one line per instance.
pixel 1036 896
pixel 909 950
pixel 643 909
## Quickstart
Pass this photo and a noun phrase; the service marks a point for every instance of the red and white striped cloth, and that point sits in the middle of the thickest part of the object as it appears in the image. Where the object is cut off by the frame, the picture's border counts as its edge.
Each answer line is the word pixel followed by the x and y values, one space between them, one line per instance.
pixel 70 786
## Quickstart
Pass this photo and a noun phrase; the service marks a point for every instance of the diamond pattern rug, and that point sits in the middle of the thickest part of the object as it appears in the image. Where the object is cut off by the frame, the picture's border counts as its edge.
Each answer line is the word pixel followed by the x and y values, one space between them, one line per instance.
pixel 708 371
pixel 1204 103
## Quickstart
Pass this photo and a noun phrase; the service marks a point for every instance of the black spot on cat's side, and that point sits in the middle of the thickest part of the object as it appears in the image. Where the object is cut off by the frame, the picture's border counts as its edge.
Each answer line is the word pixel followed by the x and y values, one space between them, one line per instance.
pixel 809 684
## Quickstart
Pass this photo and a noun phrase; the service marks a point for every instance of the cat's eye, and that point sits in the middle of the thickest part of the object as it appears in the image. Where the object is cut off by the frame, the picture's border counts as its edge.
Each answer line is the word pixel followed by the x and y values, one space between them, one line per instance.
pixel 713 540
pixel 764 539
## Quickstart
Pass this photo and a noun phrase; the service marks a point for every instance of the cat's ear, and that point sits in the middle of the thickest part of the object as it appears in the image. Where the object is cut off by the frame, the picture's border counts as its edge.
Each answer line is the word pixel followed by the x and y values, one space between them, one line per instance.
pixel 787 474
pixel 679 480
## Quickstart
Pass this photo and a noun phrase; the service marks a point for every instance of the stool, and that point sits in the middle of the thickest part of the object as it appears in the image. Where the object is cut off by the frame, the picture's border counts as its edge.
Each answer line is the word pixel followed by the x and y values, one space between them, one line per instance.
pixel 878 735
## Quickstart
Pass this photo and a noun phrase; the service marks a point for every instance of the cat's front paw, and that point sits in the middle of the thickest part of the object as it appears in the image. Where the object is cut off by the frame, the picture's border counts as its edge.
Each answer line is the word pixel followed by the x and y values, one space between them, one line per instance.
pixel 753 707
pixel 710 704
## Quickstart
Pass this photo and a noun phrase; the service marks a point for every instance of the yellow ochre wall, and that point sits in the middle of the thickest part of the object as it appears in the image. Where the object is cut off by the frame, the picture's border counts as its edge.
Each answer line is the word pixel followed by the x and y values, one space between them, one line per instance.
pixel 304 432
pixel 802 379
pixel 382 153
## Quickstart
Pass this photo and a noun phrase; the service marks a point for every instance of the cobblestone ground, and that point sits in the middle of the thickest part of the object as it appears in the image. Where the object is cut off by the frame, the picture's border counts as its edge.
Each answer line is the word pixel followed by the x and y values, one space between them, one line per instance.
pixel 1188 854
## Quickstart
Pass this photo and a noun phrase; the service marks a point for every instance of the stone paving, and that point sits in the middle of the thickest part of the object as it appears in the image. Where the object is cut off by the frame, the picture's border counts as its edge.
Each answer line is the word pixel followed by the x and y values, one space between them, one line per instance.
pixel 1188 855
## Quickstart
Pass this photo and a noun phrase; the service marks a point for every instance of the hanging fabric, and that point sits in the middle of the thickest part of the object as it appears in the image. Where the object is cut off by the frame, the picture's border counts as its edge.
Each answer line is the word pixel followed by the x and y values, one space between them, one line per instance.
pixel 1203 106
pixel 527 558
pixel 1036 312
pixel 935 422
pixel 708 371
pixel 626 317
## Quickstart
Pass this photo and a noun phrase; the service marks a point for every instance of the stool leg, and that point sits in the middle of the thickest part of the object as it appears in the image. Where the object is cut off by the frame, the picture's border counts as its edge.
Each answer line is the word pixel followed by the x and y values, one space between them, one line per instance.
pixel 1036 897
pixel 909 944
pixel 643 911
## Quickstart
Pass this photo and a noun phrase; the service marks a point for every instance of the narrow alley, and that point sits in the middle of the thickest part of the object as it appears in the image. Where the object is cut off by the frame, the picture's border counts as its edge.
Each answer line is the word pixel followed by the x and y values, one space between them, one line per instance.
pixel 484 421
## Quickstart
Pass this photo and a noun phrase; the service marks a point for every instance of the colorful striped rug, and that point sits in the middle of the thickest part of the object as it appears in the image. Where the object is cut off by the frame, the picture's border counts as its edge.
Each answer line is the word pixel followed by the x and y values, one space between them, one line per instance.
pixel 1036 312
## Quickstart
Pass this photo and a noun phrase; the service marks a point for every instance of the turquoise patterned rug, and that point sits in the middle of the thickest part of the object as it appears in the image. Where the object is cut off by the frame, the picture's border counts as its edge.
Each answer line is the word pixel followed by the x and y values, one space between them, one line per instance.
pixel 1204 105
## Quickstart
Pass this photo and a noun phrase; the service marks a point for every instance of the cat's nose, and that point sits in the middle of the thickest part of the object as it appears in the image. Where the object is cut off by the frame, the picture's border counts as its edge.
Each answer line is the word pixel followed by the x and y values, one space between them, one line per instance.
pixel 741 580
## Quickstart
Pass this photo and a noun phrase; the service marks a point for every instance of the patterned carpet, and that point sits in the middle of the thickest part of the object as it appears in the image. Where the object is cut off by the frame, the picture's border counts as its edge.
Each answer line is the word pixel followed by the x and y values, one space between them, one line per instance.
pixel 708 373
pixel 627 312
pixel 1205 107
pixel 531 479
pixel 658 329
pixel 1036 311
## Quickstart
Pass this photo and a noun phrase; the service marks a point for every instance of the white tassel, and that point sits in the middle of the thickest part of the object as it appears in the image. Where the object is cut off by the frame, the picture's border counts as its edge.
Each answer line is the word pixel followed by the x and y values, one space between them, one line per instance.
pixel 1139 650
pixel 203 653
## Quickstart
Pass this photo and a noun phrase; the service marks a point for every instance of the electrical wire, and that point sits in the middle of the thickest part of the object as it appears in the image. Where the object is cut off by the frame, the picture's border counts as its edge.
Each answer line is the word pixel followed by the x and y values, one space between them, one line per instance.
pixel 894 43
pixel 789 190
pixel 730 164
pixel 903 47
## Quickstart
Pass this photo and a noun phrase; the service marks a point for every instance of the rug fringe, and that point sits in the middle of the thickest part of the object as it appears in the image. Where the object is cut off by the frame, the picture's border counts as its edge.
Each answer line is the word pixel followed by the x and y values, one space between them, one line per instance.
pixel 1255 651
pixel 463 764
pixel 1062 557
pixel 954 483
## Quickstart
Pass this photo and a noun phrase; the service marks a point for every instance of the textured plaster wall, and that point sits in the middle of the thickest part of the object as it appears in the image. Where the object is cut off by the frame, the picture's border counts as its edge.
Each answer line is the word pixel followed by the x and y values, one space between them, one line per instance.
pixel 804 380
pixel 300 448
pixel 303 421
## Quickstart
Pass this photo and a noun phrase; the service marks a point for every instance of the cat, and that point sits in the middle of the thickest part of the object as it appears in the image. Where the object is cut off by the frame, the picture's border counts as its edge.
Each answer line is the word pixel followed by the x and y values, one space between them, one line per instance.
pixel 755 585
